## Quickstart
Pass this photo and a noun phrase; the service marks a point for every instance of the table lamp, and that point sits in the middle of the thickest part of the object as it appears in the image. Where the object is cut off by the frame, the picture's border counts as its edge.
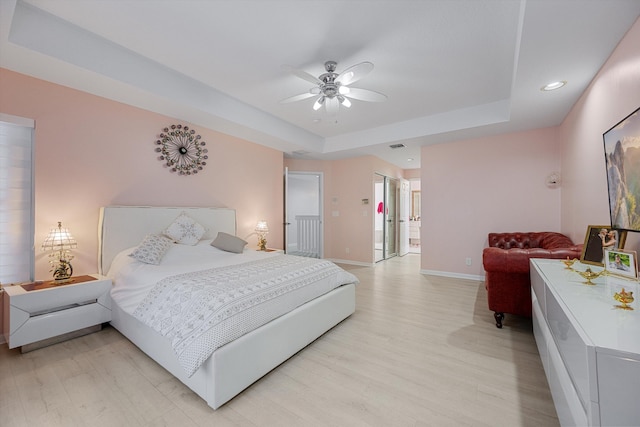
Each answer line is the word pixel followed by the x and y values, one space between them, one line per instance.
pixel 59 241
pixel 262 229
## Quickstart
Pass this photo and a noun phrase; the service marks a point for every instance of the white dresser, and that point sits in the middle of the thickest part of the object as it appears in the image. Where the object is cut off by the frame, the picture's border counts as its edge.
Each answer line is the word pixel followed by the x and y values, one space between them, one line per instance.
pixel 590 349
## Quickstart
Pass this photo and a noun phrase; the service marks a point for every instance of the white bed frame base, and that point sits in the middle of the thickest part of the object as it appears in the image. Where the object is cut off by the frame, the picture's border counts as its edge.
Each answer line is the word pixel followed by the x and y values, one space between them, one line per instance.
pixel 237 365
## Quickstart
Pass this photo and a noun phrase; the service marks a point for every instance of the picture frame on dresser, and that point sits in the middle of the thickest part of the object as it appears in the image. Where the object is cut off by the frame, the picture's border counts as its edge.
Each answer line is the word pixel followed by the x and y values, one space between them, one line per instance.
pixel 596 238
pixel 621 263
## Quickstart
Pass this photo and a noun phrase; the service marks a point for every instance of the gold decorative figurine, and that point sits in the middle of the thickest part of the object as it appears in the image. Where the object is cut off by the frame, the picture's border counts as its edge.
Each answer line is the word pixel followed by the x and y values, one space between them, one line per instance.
pixel 624 298
pixel 569 263
pixel 588 274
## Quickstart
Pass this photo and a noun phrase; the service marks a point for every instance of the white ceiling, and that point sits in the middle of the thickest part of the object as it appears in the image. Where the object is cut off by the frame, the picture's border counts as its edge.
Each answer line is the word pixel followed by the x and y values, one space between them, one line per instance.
pixel 451 69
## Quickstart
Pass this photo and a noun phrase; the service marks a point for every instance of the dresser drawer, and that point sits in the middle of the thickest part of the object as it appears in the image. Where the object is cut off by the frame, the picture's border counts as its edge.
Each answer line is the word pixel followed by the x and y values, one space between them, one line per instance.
pixel 572 348
pixel 537 289
pixel 618 380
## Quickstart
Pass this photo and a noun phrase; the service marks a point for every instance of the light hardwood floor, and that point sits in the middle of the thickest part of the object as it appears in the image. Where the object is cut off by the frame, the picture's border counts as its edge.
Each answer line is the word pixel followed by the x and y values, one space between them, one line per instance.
pixel 418 351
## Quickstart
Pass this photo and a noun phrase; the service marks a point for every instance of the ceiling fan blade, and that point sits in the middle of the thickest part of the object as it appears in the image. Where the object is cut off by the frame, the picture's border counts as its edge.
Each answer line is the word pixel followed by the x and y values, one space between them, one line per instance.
pixel 303 75
pixel 365 95
pixel 354 73
pixel 297 98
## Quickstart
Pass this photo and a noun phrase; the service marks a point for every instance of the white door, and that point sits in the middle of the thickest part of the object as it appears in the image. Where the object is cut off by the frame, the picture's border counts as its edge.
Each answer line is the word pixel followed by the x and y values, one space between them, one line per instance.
pixel 403 218
pixel 286 208
pixel 391 217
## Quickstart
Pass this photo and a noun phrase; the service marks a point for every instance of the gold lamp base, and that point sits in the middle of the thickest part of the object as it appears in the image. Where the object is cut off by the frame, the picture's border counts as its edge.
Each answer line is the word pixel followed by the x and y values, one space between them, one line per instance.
pixel 62 269
pixel 262 243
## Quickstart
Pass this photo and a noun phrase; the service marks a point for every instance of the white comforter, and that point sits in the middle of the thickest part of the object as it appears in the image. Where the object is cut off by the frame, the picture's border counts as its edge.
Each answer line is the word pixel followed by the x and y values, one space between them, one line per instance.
pixel 202 298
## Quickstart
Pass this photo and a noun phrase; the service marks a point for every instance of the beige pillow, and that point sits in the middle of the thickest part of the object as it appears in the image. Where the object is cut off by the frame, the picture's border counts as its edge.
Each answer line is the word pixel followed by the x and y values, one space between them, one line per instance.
pixel 229 243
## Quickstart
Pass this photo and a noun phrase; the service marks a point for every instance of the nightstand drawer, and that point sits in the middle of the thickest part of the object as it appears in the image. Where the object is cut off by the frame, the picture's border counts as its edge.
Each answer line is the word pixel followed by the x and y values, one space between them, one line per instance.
pixel 36 315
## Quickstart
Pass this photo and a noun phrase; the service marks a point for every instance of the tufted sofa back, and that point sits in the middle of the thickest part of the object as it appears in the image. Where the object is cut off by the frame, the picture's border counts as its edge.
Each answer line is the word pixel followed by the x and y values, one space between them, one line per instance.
pixel 544 240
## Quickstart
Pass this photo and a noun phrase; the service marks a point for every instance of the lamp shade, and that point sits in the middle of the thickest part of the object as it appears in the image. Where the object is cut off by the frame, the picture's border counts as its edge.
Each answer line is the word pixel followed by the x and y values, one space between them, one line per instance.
pixel 262 227
pixel 59 239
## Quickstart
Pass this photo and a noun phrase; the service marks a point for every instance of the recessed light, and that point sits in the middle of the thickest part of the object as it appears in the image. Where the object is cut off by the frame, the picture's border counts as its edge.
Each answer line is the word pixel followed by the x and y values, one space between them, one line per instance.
pixel 410 159
pixel 553 86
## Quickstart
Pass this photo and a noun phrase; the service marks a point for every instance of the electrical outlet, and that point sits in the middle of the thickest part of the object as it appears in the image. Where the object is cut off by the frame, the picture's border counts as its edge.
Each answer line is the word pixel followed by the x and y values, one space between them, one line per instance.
pixel 468 261
pixel 347 250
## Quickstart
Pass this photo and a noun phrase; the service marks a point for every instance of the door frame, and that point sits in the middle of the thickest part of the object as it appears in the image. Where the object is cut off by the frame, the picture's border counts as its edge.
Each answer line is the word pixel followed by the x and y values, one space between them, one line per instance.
pixel 287 198
pixel 404 207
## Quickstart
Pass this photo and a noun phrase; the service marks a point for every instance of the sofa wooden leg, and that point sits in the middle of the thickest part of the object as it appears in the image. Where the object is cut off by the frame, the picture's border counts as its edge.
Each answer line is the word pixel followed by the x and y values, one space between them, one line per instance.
pixel 499 317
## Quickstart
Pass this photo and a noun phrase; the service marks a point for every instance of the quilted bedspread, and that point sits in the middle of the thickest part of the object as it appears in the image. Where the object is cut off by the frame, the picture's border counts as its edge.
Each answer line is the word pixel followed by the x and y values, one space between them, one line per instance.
pixel 204 310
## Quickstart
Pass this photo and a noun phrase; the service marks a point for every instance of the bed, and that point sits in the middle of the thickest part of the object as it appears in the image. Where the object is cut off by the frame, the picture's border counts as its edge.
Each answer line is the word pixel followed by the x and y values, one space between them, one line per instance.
pixel 235 365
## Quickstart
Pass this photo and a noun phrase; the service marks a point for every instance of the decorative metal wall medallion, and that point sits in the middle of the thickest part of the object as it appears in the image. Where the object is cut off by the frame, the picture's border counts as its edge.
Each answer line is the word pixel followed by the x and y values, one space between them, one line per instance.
pixel 182 150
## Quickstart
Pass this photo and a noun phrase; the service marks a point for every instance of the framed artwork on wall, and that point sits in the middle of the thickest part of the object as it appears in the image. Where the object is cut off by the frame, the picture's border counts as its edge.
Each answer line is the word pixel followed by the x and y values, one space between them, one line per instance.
pixel 622 160
pixel 599 238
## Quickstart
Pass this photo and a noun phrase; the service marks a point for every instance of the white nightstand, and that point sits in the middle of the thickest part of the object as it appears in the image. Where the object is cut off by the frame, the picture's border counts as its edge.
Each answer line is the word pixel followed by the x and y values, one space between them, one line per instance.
pixel 280 251
pixel 44 313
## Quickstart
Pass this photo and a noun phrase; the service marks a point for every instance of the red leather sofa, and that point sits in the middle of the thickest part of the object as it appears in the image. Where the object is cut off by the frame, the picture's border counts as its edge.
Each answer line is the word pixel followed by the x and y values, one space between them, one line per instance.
pixel 506 263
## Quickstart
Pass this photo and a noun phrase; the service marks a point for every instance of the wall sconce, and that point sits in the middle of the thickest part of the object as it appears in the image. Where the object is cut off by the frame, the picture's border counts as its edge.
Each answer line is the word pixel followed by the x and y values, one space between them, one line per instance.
pixel 59 241
pixel 553 180
pixel 262 230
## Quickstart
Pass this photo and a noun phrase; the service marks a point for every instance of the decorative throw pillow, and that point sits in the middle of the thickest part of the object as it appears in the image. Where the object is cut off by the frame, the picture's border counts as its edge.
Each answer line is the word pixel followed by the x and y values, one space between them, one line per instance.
pixel 152 249
pixel 185 230
pixel 229 243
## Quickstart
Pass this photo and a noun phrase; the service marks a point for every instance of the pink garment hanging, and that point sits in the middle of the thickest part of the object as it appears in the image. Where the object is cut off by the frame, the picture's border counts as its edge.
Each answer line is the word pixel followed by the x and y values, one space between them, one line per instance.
pixel 380 207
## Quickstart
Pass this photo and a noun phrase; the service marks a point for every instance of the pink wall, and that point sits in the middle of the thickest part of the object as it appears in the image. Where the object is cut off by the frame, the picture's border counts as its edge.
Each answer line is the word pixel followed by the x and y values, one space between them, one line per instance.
pixel 91 152
pixel 412 173
pixel 469 188
pixel 498 183
pixel 613 94
pixel 473 187
pixel 346 183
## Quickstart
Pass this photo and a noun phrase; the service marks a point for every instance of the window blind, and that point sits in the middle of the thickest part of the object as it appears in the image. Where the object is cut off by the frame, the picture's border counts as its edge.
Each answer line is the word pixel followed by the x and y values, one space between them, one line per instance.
pixel 16 200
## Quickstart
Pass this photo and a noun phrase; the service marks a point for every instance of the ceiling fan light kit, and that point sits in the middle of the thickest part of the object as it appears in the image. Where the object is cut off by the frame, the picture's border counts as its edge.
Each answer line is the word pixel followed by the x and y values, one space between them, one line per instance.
pixel 332 88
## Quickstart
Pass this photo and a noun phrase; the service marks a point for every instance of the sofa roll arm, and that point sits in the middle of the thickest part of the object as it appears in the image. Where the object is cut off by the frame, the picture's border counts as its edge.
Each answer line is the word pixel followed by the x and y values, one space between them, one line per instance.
pixel 506 260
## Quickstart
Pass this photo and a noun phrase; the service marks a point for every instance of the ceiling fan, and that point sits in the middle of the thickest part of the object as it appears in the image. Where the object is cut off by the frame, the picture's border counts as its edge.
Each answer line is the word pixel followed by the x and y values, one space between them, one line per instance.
pixel 332 89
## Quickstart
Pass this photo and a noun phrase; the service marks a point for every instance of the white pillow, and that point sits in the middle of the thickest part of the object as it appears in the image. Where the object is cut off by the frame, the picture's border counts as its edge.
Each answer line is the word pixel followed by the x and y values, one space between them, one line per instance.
pixel 185 230
pixel 152 249
pixel 229 243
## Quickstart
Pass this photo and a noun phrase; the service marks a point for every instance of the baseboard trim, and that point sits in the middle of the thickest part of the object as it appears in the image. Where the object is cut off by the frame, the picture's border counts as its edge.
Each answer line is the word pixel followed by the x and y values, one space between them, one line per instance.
pixel 349 262
pixel 453 275
pixel 475 277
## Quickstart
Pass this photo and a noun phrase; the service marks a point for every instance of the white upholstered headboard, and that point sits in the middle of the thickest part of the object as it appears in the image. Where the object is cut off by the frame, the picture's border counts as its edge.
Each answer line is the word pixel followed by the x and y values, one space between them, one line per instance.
pixel 122 227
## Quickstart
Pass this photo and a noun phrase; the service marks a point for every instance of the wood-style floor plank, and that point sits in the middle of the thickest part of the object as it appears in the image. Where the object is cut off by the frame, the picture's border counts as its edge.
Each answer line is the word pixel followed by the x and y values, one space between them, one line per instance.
pixel 419 351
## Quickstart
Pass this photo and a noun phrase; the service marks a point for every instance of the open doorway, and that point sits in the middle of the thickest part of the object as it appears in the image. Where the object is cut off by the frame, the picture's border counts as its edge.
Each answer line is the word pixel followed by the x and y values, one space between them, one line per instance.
pixel 415 216
pixel 303 214
pixel 386 218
